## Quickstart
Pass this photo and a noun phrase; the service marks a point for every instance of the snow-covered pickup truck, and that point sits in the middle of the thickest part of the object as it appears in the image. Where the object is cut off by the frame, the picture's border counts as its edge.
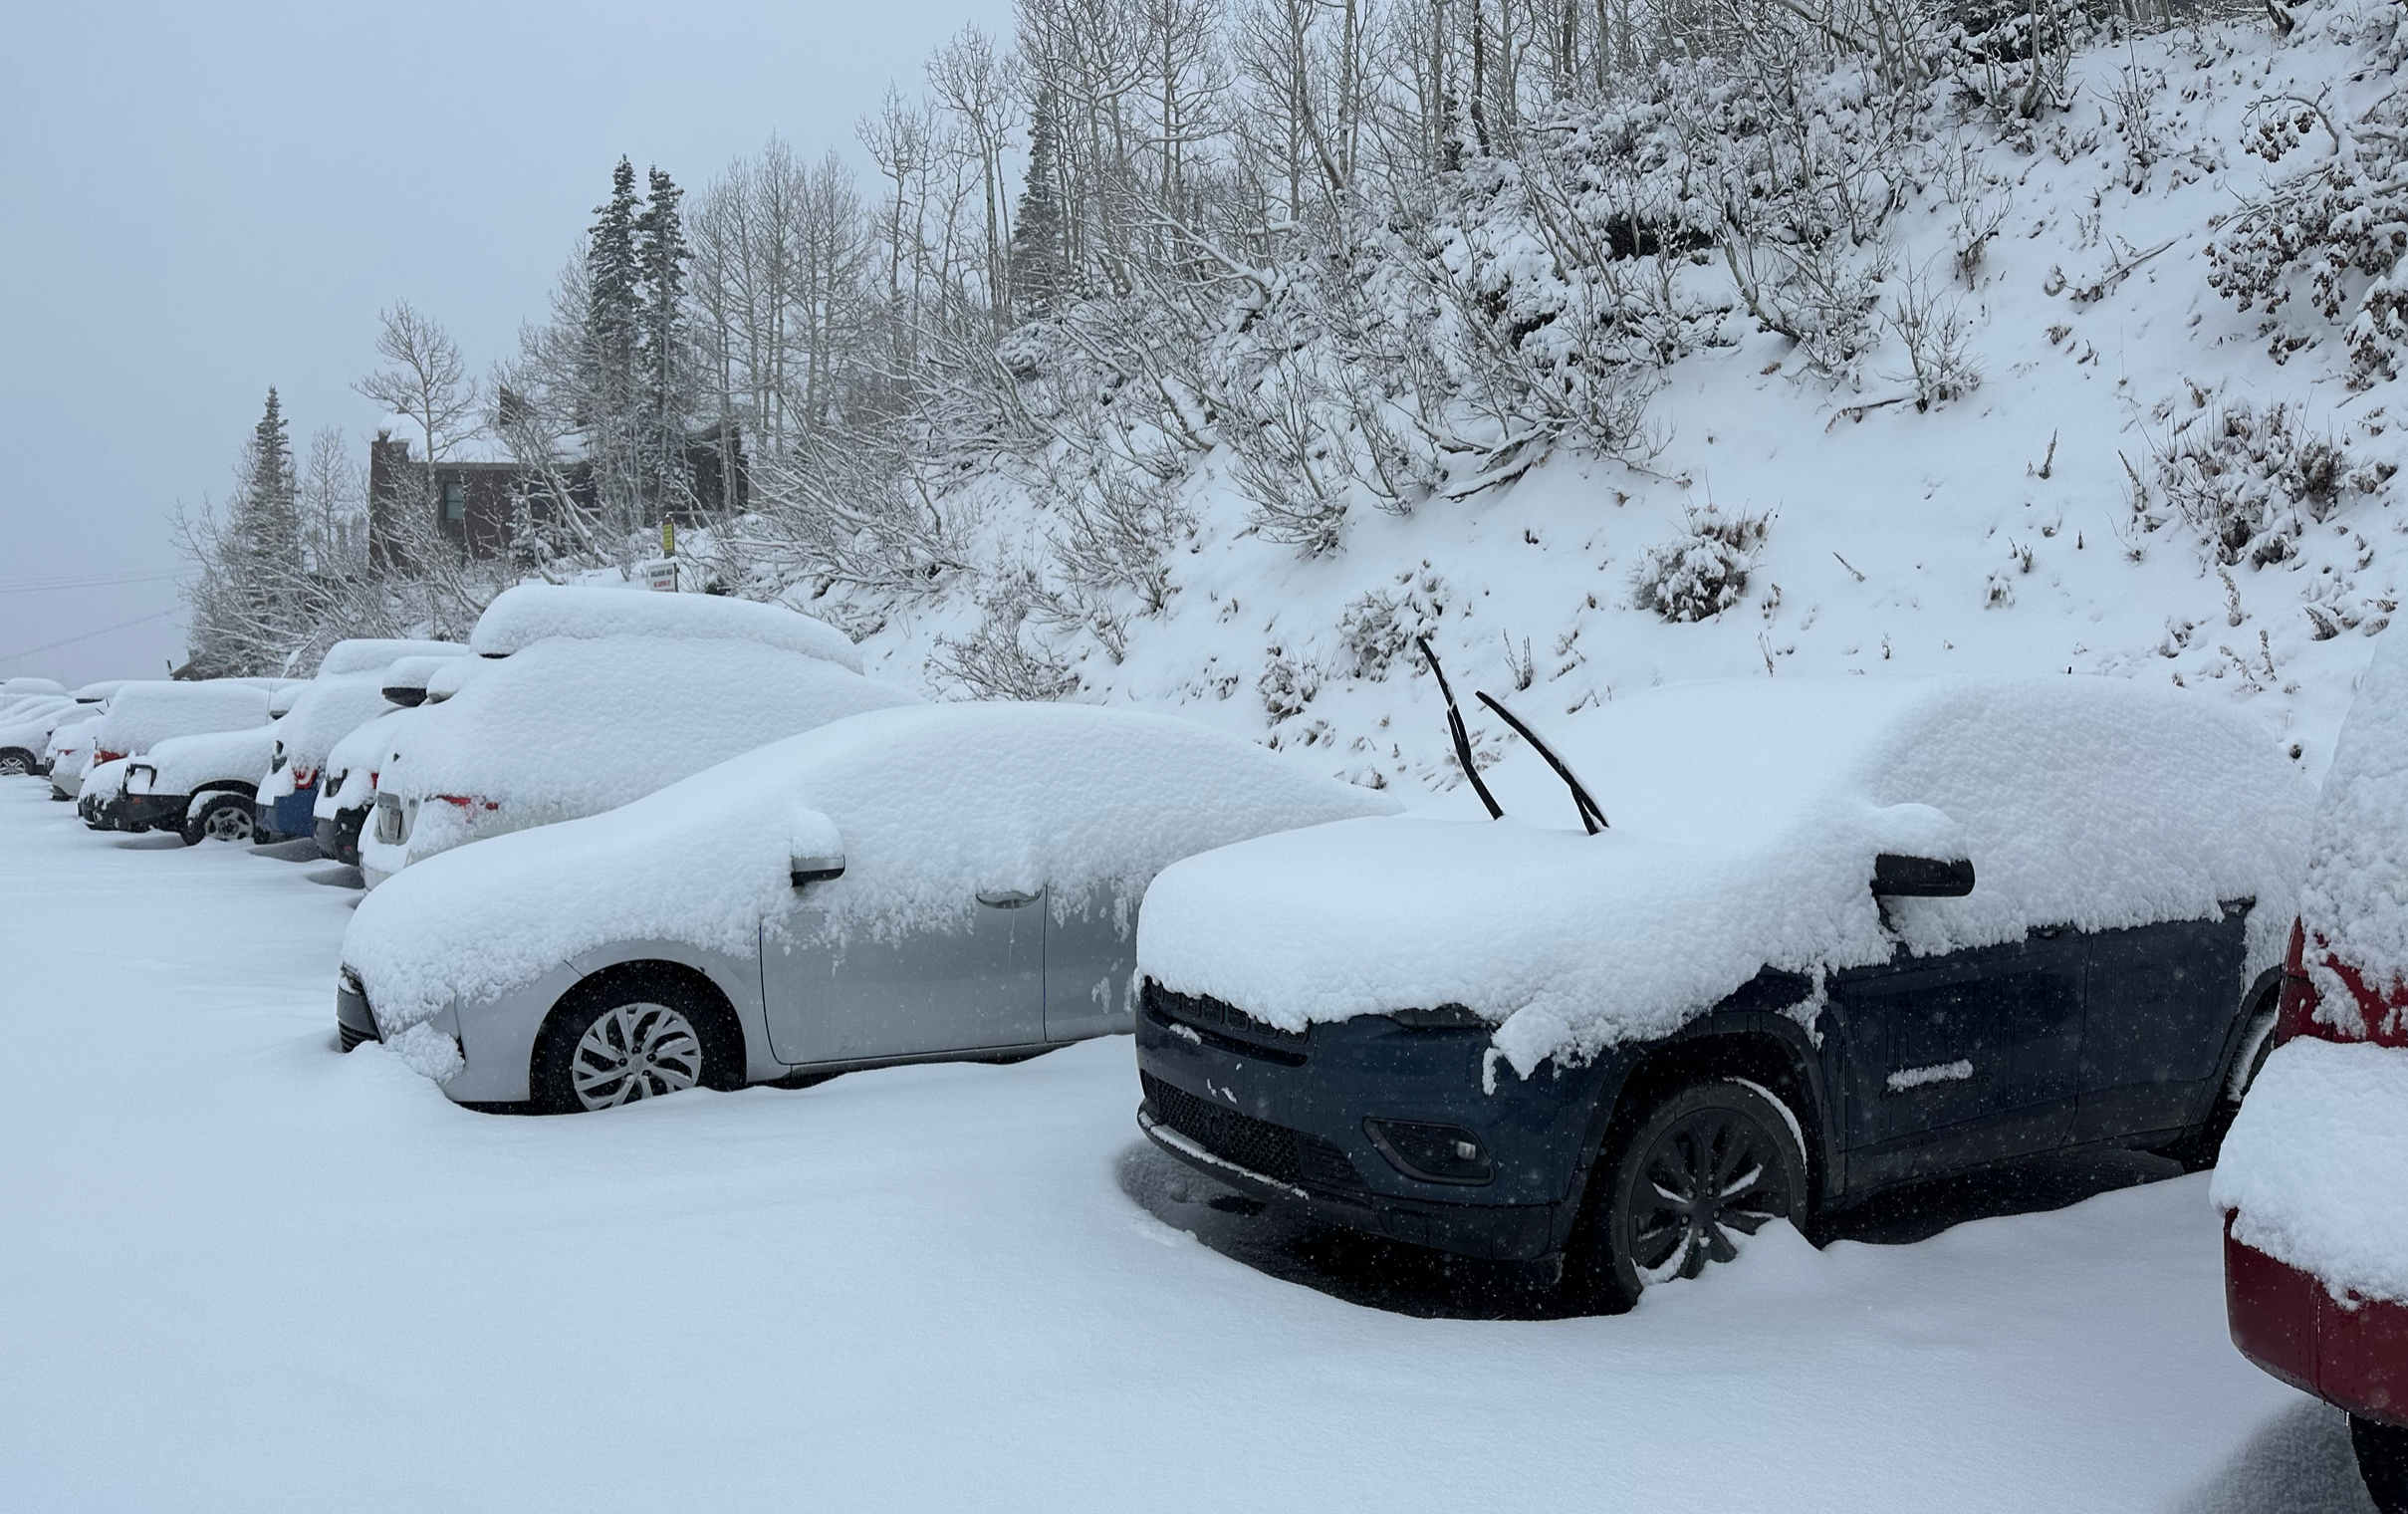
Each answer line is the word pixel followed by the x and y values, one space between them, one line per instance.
pixel 199 787
pixel 2313 1180
pixel 1839 935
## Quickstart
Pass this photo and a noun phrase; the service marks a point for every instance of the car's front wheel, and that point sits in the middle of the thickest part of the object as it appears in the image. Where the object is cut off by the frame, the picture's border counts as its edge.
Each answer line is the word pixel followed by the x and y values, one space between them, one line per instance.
pixel 2382 1451
pixel 224 818
pixel 612 1042
pixel 15 764
pixel 1706 1168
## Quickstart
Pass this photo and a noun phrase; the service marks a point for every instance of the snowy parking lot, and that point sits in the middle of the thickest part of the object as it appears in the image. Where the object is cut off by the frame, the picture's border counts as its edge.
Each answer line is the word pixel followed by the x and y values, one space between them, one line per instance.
pixel 243 1271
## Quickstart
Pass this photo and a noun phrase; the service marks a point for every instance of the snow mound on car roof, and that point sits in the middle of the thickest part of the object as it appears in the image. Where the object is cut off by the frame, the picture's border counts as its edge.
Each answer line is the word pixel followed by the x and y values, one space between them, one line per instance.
pixel 183 764
pixel 927 804
pixel 521 617
pixel 2354 899
pixel 449 679
pixel 33 734
pixel 363 655
pixel 17 688
pixel 140 715
pixel 1744 819
pixel 569 727
pixel 2311 1167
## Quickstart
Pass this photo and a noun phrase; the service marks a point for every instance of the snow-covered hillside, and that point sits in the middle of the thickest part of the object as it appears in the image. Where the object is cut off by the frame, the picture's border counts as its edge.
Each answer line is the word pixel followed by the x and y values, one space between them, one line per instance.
pixel 2035 522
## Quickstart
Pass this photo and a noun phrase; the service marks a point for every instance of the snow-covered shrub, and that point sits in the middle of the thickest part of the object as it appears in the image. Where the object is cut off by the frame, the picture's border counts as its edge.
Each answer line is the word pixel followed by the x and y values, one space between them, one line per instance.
pixel 2250 481
pixel 1378 627
pixel 997 661
pixel 2342 220
pixel 1931 324
pixel 1288 683
pixel 1704 571
pixel 1116 528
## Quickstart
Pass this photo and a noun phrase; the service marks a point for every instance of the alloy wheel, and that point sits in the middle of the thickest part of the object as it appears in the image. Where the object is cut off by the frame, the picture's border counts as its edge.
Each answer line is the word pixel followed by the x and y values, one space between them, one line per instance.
pixel 635 1051
pixel 227 823
pixel 13 766
pixel 1710 1173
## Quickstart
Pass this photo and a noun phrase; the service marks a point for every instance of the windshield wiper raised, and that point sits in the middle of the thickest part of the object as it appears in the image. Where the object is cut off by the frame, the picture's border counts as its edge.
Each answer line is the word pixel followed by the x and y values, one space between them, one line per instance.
pixel 1454 725
pixel 1590 816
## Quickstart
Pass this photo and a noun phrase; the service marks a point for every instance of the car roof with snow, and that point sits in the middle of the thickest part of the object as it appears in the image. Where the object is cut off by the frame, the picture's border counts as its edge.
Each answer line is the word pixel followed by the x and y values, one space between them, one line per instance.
pixel 924 804
pixel 1745 818
pixel 141 714
pixel 521 617
pixel 586 725
pixel 362 654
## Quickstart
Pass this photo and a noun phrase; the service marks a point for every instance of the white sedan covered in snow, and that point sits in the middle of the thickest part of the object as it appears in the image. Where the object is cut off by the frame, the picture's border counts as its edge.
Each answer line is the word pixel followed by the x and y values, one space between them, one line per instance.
pixel 944 881
pixel 574 726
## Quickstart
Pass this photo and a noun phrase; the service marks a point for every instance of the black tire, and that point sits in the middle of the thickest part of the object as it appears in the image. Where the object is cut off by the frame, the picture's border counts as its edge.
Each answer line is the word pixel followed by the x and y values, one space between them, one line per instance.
pixel 2382 1451
pixel 2201 1150
pixel 1635 1228
pixel 225 817
pixel 668 1032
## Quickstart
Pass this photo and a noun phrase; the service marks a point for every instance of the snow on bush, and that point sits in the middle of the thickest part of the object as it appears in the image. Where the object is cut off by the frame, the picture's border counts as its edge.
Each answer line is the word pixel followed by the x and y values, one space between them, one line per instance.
pixel 531 613
pixel 140 715
pixel 1704 571
pixel 926 806
pixel 2250 481
pixel 213 759
pixel 1744 819
pixel 569 727
pixel 363 655
pixel 2310 1171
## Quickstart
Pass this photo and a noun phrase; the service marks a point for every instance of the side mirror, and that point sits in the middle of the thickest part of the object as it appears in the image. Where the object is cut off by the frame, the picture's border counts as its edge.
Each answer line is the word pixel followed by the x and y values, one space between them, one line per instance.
pixel 1900 877
pixel 814 869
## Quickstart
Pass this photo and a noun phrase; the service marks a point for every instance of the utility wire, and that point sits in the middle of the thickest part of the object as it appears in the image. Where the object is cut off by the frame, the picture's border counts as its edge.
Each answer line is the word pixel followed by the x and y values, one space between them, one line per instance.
pixel 88 635
pixel 95 581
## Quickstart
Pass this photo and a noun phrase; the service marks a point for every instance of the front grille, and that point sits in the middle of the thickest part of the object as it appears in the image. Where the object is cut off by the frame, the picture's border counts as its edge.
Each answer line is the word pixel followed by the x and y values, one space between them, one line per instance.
pixel 1223 1021
pixel 1257 1146
pixel 353 1039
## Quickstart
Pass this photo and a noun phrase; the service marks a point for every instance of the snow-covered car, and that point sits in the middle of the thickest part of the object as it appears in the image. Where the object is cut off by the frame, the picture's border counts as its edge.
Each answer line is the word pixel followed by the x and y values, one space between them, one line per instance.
pixel 346 795
pixel 96 693
pixel 2313 1178
pixel 940 881
pixel 24 733
pixel 1839 935
pixel 201 788
pixel 66 756
pixel 571 727
pixel 348 691
pixel 531 613
pixel 141 715
pixel 11 689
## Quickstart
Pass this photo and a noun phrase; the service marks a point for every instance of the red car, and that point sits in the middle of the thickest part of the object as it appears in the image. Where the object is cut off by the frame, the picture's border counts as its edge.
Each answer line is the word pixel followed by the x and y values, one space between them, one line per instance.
pixel 2314 1178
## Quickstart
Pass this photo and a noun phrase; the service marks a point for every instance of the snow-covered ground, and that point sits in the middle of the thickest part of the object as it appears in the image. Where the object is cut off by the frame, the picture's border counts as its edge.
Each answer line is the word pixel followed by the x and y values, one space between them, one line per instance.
pixel 244 1272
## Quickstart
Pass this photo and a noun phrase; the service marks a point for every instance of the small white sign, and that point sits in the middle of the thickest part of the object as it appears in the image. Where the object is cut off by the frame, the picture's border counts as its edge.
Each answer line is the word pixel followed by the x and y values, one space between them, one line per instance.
pixel 661 574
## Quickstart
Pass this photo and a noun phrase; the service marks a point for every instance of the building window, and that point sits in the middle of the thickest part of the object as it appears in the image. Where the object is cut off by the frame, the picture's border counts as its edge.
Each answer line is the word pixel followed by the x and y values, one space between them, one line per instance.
pixel 455 501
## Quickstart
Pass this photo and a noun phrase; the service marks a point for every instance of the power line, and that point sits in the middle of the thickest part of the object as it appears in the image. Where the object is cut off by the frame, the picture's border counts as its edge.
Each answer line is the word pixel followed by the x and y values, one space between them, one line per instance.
pixel 94 581
pixel 88 635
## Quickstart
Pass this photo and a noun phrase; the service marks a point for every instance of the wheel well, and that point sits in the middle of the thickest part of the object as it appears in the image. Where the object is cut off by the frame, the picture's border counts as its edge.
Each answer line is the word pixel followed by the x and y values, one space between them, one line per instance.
pixel 228 786
pixel 692 987
pixel 1757 1056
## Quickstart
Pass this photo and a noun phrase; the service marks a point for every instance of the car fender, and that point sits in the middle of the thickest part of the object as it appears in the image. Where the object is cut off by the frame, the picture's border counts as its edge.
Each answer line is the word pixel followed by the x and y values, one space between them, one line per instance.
pixel 736 975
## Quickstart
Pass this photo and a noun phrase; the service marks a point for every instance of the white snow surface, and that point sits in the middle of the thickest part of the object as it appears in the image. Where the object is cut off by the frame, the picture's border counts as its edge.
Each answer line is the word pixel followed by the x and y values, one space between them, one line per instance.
pixel 571 727
pixel 140 715
pixel 2312 1168
pixel 184 764
pixel 345 782
pixel 362 654
pixel 927 805
pixel 92 693
pixel 33 734
pixel 1744 821
pixel 18 688
pixel 2355 901
pixel 521 617
pixel 253 1274
pixel 451 677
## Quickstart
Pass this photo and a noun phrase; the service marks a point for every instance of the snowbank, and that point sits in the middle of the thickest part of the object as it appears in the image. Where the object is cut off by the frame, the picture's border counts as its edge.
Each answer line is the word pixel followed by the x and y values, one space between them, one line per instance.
pixel 2355 901
pixel 1744 819
pixel 2312 1166
pixel 141 715
pixel 184 764
pixel 926 806
pixel 521 617
pixel 569 727
pixel 371 653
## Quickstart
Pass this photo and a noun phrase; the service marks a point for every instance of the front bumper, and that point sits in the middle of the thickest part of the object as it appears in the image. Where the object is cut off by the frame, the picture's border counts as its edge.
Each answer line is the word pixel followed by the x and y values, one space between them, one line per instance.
pixel 147 812
pixel 2289 1325
pixel 339 836
pixel 353 1024
pixel 1284 1118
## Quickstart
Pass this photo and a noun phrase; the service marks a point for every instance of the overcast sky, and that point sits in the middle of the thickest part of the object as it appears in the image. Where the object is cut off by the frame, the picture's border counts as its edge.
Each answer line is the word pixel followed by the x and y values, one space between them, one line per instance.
pixel 197 202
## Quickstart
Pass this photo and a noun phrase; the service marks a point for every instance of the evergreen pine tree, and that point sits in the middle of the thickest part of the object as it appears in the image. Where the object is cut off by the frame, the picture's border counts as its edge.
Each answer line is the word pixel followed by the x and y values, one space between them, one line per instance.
pixel 1039 263
pixel 608 405
pixel 661 255
pixel 250 603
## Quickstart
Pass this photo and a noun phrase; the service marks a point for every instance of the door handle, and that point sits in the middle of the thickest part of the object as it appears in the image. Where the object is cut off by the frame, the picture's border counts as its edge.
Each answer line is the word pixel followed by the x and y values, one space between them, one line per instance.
pixel 1004 898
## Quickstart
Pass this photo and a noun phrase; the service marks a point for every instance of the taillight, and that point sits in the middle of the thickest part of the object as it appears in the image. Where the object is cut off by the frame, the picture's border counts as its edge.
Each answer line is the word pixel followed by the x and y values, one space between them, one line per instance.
pixel 467 803
pixel 101 755
pixel 304 776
